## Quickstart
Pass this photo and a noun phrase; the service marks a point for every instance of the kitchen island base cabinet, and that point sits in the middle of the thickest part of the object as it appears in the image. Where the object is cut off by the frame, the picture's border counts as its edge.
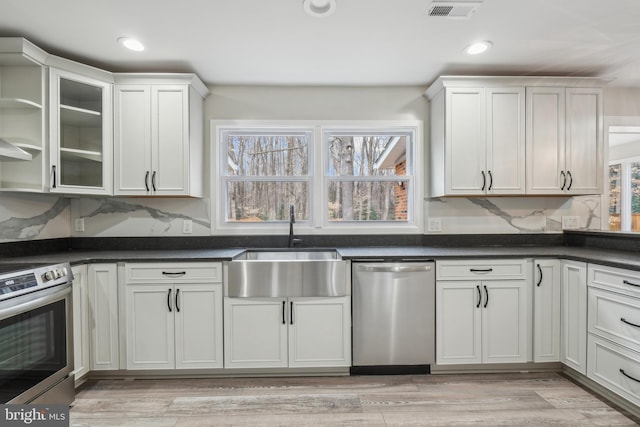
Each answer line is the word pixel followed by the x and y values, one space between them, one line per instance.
pixel 287 332
pixel 482 321
pixel 173 316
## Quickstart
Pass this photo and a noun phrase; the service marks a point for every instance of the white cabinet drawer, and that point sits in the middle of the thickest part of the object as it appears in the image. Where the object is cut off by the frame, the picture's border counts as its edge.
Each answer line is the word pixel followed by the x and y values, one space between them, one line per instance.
pixel 615 316
pixel 481 269
pixel 616 279
pixel 614 367
pixel 173 272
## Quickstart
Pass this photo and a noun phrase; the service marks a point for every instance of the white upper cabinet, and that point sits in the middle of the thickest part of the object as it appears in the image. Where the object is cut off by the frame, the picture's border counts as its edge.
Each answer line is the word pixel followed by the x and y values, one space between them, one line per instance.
pixel 23 142
pixel 159 135
pixel 564 140
pixel 477 133
pixel 81 137
pixel 515 136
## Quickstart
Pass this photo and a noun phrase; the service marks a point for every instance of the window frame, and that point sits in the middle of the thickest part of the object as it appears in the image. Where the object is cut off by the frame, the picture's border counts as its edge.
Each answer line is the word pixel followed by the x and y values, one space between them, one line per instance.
pixel 318 219
pixel 626 192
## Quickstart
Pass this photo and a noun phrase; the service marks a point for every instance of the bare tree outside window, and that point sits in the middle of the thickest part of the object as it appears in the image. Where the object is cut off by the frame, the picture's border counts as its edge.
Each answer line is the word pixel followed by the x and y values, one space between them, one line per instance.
pixel 266 173
pixel 368 177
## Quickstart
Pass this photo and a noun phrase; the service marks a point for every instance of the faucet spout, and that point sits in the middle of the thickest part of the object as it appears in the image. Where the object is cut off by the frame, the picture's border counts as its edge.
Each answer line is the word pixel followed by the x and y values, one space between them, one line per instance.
pixel 293 241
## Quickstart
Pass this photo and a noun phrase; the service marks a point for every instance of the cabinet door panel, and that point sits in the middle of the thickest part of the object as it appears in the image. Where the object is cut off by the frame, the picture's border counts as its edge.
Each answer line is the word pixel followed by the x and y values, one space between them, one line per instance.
pixel 150 335
pixel 133 139
pixel 458 323
pixel 255 333
pixel 465 132
pixel 546 311
pixel 103 315
pixel 319 332
pixel 574 315
pixel 504 321
pixel 545 139
pixel 170 112
pixel 505 140
pixel 81 345
pixel 583 140
pixel 198 326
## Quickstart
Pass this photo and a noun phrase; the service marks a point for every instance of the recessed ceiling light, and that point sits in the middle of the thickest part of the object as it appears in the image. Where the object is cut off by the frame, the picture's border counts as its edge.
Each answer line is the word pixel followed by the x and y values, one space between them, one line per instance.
pixel 478 47
pixel 131 44
pixel 319 8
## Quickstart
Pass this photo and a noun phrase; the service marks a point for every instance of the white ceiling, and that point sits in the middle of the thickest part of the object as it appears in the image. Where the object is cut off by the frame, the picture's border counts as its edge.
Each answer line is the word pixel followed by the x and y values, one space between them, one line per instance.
pixel 364 42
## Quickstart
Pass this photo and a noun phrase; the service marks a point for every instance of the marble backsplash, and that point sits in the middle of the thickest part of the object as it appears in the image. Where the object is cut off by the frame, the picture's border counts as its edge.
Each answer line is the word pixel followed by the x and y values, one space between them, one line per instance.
pixel 32 217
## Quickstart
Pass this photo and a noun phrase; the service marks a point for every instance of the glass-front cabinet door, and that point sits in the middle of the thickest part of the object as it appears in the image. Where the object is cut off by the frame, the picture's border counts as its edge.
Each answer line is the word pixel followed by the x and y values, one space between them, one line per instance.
pixel 81 136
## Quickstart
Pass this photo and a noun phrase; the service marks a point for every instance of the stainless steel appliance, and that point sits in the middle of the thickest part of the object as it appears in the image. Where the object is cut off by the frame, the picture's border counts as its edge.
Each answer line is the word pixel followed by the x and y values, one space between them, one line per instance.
pixel 393 317
pixel 36 335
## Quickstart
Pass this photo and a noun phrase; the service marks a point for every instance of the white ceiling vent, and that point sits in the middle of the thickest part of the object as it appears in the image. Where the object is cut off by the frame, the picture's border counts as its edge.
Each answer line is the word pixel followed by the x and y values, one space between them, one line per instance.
pixel 453 9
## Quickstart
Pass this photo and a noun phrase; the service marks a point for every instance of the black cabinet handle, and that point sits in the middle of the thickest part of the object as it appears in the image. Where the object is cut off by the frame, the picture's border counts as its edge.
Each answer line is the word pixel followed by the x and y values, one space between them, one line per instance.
pixel 481 270
pixel 284 308
pixel 490 180
pixel 146 181
pixel 623 320
pixel 177 306
pixel 153 181
pixel 626 282
pixel 570 180
pixel 169 300
pixel 486 296
pixel 53 169
pixel 291 314
pixel 479 296
pixel 540 273
pixel 564 179
pixel 484 180
pixel 174 273
pixel 628 376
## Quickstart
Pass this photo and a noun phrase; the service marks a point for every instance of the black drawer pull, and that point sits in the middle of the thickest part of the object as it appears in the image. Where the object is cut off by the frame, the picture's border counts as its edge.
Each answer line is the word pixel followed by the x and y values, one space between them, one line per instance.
pixel 169 301
pixel 626 282
pixel 628 376
pixel 284 307
pixel 479 296
pixel 174 274
pixel 486 296
pixel 177 306
pixel 481 270
pixel 623 320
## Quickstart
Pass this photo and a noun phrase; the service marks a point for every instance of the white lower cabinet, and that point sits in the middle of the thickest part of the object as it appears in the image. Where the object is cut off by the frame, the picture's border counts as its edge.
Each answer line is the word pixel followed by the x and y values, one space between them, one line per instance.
pixel 103 316
pixel 613 342
pixel 546 310
pixel 287 332
pixel 482 320
pixel 173 316
pixel 81 345
pixel 573 333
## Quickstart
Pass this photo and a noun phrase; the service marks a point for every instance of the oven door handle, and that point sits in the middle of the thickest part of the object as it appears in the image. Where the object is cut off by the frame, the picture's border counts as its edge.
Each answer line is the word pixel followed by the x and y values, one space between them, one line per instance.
pixel 35 301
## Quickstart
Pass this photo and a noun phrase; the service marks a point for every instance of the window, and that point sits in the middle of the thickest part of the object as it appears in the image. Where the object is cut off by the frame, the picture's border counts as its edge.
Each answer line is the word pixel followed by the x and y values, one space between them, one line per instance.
pixel 265 172
pixel 624 195
pixel 346 177
pixel 367 176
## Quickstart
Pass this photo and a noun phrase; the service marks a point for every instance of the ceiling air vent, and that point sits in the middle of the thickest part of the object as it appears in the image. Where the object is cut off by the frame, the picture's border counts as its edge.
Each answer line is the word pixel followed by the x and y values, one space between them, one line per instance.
pixel 454 10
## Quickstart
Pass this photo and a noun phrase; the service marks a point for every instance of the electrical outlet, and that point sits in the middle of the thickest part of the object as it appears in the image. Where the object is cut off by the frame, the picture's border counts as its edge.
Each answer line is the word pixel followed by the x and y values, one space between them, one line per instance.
pixel 569 222
pixel 79 225
pixel 434 225
pixel 187 226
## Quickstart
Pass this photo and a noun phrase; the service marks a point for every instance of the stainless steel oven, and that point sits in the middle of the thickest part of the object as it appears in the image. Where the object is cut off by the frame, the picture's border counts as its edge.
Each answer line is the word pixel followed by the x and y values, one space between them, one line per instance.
pixel 36 335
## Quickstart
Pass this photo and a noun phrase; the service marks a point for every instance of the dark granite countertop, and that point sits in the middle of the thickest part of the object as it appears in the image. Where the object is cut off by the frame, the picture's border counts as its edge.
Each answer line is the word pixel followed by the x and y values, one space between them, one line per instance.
pixel 614 258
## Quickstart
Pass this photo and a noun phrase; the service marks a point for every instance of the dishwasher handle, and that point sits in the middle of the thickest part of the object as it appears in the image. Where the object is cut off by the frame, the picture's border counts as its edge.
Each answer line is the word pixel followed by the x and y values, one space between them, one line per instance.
pixel 395 268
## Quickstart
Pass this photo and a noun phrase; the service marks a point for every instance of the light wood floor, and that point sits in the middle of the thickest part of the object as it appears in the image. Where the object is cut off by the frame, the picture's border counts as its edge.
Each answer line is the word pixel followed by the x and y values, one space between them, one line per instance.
pixel 543 399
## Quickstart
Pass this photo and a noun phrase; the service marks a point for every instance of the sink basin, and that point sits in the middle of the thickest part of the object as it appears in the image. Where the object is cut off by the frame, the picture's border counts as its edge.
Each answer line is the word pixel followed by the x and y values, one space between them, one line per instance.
pixel 258 273
pixel 287 254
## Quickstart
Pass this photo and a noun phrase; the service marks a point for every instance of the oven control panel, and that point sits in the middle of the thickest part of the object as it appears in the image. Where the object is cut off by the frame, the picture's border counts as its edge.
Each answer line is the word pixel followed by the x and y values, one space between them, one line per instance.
pixel 18 283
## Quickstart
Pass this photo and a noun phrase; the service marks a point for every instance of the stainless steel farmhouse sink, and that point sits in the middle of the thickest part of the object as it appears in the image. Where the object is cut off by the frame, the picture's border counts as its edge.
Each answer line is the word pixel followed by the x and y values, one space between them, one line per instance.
pixel 286 273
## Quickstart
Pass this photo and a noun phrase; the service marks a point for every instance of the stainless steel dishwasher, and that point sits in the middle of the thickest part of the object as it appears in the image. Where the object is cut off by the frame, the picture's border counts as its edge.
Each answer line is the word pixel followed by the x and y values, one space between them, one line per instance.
pixel 393 317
